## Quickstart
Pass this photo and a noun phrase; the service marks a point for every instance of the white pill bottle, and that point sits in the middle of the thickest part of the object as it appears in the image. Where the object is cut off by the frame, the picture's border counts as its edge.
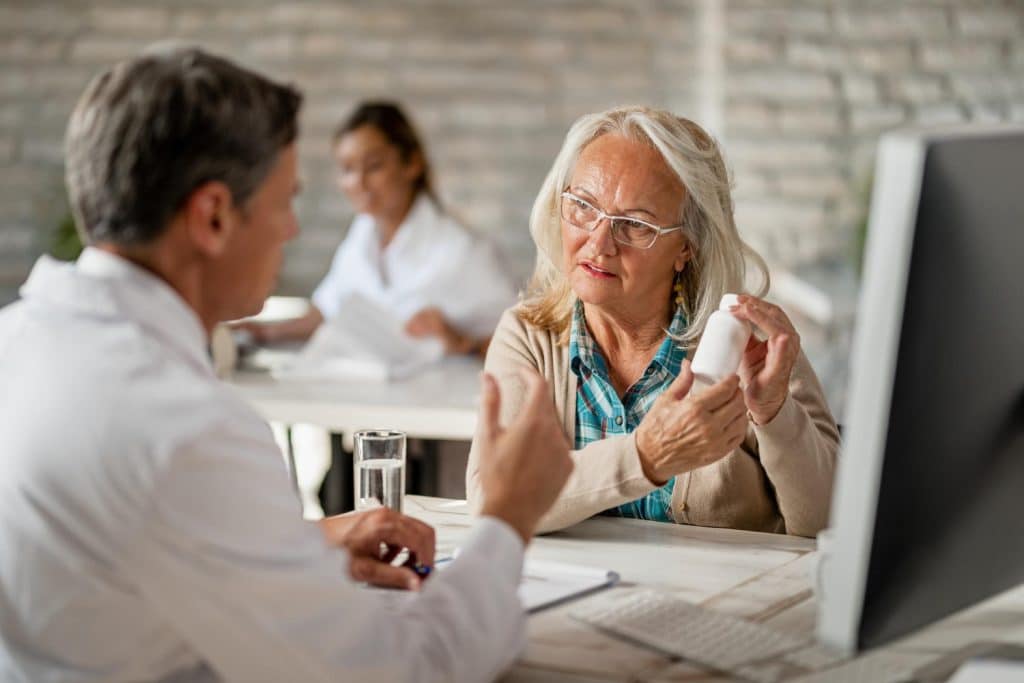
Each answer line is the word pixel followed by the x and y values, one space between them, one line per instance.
pixel 721 347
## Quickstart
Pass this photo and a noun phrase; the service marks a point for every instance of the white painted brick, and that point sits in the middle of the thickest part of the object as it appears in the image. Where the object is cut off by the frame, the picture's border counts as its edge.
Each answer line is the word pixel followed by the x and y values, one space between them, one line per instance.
pixel 8 145
pixel 16 238
pixel 813 120
pixel 588 19
pixel 938 114
pixel 134 21
pixel 41 20
pixel 486 116
pixel 13 82
pixel 893 22
pixel 874 118
pixel 333 45
pixel 12 114
pixel 959 56
pixel 988 86
pixel 881 58
pixel 751 116
pixel 778 21
pixel 480 79
pixel 822 185
pixel 24 49
pixel 988 22
pixel 274 47
pixel 48 151
pixel 102 51
pixel 771 153
pixel 305 15
pixel 819 55
pixel 750 184
pixel 859 88
pixel 917 89
pixel 781 85
pixel 743 50
pixel 983 113
pixel 776 218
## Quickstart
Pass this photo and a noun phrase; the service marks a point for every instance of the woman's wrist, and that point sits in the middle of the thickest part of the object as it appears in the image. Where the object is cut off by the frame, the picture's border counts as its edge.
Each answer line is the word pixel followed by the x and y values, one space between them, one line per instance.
pixel 646 464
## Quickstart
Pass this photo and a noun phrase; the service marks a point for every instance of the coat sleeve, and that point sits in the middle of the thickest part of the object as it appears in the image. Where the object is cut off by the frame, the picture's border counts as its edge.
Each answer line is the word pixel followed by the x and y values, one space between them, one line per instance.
pixel 798 450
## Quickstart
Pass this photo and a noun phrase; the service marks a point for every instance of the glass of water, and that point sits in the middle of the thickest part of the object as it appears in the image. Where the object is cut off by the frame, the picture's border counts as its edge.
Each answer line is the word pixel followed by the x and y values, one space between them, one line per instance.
pixel 379 469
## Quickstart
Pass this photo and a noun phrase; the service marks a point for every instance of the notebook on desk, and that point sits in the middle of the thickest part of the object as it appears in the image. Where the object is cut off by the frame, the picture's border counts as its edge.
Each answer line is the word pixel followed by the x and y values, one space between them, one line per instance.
pixel 544 584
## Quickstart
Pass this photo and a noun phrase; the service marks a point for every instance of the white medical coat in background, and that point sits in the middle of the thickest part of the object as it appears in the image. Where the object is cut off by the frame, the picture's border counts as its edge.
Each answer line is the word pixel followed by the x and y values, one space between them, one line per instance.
pixel 148 529
pixel 432 261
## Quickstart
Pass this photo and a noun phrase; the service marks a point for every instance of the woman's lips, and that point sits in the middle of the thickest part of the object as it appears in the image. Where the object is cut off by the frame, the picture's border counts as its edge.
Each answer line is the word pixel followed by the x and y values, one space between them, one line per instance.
pixel 595 271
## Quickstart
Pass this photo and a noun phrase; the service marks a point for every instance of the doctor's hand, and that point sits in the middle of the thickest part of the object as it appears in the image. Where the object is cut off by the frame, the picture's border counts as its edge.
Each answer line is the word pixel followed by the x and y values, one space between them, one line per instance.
pixel 374 538
pixel 767 365
pixel 430 322
pixel 523 466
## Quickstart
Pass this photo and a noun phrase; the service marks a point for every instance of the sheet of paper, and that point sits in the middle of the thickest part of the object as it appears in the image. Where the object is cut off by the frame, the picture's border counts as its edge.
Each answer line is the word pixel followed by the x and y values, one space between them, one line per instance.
pixel 546 584
pixel 364 341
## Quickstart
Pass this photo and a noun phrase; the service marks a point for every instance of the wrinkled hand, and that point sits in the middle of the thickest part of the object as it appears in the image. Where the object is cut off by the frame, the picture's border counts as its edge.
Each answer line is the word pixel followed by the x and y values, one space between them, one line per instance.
pixel 374 538
pixel 524 466
pixel 430 322
pixel 767 365
pixel 682 432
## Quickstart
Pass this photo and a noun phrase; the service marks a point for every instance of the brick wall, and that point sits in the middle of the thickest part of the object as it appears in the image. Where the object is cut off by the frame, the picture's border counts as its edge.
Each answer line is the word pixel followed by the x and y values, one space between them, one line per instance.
pixel 810 85
pixel 492 85
pixel 798 91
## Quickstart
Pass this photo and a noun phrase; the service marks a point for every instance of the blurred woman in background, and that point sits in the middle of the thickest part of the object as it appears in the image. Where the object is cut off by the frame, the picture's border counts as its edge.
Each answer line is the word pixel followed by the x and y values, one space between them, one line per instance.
pixel 402 250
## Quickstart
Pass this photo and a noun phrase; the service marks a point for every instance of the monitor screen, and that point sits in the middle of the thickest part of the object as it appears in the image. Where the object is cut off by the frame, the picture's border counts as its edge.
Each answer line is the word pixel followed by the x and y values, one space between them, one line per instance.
pixel 928 516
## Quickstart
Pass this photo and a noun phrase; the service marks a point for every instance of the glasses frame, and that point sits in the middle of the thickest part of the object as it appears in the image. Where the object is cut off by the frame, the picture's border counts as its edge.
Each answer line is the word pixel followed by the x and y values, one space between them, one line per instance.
pixel 601 215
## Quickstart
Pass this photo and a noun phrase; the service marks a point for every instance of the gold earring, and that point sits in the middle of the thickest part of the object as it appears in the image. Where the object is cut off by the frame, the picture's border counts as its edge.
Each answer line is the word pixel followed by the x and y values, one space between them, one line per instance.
pixel 678 288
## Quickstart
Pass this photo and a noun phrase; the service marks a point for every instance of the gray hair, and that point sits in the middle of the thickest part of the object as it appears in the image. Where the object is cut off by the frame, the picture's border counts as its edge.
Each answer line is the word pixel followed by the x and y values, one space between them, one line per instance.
pixel 720 257
pixel 150 130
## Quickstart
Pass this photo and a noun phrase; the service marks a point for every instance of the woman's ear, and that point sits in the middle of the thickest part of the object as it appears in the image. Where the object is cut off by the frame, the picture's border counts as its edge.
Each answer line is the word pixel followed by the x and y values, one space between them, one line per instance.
pixel 683 257
pixel 415 167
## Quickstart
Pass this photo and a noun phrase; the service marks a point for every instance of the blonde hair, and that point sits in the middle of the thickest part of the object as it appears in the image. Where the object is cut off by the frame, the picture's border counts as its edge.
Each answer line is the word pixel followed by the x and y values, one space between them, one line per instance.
pixel 719 259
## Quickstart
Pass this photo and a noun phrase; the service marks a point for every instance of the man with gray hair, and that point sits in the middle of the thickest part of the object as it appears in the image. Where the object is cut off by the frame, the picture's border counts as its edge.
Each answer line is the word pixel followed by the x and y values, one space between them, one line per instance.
pixel 148 530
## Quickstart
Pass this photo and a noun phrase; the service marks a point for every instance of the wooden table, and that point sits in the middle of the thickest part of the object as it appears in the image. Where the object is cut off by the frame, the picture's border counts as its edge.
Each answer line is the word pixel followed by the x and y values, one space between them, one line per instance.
pixel 762 577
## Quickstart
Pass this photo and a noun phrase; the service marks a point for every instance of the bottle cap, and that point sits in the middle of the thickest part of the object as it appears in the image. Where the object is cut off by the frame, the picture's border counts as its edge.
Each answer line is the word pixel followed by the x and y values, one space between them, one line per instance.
pixel 728 301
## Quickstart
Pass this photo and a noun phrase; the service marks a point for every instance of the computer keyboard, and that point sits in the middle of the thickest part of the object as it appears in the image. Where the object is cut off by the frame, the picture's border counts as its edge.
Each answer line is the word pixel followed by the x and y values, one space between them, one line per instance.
pixel 676 627
pixel 723 642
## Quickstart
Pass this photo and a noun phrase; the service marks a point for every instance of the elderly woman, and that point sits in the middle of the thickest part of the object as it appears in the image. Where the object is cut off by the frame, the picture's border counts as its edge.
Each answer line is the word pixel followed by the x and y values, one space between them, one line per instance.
pixel 636 246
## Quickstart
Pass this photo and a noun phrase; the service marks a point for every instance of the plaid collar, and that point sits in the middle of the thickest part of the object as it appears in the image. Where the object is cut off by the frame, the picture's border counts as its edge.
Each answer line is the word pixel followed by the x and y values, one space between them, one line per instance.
pixel 585 357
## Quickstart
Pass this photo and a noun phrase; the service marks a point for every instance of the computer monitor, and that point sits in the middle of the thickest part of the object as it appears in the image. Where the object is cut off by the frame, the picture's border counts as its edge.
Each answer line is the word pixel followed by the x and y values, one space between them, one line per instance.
pixel 928 513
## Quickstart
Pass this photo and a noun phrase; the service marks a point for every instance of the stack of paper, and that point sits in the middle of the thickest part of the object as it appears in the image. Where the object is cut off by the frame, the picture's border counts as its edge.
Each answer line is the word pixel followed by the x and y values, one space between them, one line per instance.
pixel 364 341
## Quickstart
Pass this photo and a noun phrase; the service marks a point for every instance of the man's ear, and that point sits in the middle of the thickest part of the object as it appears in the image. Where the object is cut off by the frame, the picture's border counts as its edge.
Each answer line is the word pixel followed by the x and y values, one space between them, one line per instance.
pixel 211 217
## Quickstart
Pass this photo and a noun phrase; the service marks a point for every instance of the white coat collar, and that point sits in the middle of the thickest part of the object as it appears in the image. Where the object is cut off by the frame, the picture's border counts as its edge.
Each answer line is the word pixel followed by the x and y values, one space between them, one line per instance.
pixel 103 285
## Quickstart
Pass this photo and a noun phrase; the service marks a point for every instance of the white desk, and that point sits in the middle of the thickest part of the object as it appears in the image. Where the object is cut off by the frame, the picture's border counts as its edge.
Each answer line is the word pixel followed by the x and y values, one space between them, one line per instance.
pixel 439 403
pixel 763 577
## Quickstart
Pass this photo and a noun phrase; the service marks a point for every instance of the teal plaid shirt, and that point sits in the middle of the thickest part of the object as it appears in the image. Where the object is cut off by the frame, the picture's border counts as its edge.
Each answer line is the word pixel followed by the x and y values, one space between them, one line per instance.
pixel 600 413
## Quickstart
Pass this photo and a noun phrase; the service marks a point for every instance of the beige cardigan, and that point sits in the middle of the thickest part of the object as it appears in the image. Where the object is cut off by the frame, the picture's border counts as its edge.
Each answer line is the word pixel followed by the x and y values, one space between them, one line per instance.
pixel 779 479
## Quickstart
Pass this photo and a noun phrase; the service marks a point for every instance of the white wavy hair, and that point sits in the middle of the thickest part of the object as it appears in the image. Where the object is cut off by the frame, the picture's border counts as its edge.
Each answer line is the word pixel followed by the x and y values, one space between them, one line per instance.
pixel 720 258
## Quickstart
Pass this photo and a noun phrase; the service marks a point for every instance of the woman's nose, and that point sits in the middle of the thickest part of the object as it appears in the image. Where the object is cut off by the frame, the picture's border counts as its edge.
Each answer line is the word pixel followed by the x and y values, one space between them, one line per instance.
pixel 601 237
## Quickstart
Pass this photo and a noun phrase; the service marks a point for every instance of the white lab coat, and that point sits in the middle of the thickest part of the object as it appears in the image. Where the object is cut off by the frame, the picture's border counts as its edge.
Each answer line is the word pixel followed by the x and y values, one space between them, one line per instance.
pixel 148 530
pixel 431 261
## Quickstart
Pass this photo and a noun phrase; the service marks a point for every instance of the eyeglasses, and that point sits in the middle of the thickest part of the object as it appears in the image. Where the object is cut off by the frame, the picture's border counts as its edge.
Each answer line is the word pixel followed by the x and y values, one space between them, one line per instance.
pixel 632 232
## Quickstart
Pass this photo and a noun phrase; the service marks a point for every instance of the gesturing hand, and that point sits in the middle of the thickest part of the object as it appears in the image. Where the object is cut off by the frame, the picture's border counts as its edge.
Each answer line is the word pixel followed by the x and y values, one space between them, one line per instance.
pixel 682 432
pixel 364 534
pixel 767 365
pixel 524 466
